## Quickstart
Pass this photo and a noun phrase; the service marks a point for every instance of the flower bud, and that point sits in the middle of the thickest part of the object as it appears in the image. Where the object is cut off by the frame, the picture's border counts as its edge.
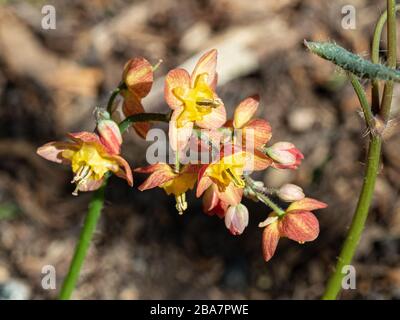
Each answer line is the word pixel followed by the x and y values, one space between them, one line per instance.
pixel 138 76
pixel 237 219
pixel 285 155
pixel 290 192
pixel 110 135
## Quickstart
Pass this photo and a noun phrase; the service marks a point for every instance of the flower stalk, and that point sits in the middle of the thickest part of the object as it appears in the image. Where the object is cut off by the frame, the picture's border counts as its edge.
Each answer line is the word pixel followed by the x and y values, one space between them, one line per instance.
pixel 374 152
pixel 263 197
pixel 92 217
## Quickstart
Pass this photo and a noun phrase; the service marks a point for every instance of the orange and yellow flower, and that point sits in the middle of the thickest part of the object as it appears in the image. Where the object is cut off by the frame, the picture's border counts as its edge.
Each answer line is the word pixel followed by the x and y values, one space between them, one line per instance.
pixel 193 100
pixel 163 176
pixel 298 224
pixel 91 156
pixel 224 177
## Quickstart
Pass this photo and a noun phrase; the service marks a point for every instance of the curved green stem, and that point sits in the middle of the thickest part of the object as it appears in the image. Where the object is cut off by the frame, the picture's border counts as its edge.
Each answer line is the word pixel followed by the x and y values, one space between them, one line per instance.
pixel 375 55
pixel 110 102
pixel 95 206
pixel 392 57
pixel 368 116
pixel 143 117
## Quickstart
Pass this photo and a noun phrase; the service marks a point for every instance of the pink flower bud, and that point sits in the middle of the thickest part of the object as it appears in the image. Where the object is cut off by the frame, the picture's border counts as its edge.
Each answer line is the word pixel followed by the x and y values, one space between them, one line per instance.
pixel 237 219
pixel 110 135
pixel 285 155
pixel 290 192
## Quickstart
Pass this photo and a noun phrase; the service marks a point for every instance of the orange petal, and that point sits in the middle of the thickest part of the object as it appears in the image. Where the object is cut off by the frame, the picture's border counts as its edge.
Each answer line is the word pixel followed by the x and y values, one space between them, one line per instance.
pixel 206 64
pixel 160 173
pixel 212 204
pixel 191 168
pixel 204 182
pixel 231 195
pixel 179 137
pixel 245 111
pixel 257 161
pixel 52 151
pixel 300 226
pixel 138 76
pixel 259 131
pixel 210 199
pixel 110 135
pixel 176 78
pixel 88 137
pixel 131 106
pixel 159 166
pixel 214 120
pixel 125 171
pixel 307 204
pixel 270 239
pixel 91 185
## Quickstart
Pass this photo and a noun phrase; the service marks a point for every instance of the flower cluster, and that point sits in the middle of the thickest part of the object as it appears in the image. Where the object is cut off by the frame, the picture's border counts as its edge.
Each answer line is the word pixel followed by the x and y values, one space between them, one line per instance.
pixel 235 148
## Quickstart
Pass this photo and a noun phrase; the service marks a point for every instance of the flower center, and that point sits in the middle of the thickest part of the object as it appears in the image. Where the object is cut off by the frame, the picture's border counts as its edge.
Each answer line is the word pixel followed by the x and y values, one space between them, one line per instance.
pixel 89 165
pixel 228 170
pixel 197 102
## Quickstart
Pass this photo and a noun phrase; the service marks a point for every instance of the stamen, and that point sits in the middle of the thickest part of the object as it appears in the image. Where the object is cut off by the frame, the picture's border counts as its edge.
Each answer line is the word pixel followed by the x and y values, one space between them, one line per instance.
pixel 181 204
pixel 83 173
pixel 213 103
pixel 237 181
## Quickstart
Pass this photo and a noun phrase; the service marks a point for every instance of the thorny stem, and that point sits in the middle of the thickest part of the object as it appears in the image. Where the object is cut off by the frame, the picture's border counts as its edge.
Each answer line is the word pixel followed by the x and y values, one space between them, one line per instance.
pixel 263 197
pixel 360 216
pixel 95 206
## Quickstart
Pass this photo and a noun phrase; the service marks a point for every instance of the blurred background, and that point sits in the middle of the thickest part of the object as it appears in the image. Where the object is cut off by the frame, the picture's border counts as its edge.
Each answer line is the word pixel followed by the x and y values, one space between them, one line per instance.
pixel 51 80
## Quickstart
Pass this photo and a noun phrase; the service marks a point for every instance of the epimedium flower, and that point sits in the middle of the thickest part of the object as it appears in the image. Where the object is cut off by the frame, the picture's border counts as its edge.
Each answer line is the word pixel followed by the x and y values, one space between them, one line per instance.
pixel 284 155
pixel 91 156
pixel 137 80
pixel 177 183
pixel 298 224
pixel 193 100
pixel 225 175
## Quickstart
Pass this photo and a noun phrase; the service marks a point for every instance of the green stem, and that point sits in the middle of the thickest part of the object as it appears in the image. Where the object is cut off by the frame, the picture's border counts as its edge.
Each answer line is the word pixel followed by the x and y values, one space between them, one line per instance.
pixel 392 57
pixel 95 206
pixel 110 102
pixel 143 117
pixel 263 197
pixel 374 152
pixel 353 237
pixel 375 56
pixel 368 116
